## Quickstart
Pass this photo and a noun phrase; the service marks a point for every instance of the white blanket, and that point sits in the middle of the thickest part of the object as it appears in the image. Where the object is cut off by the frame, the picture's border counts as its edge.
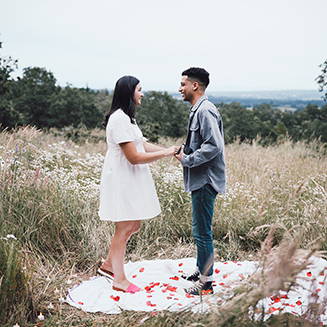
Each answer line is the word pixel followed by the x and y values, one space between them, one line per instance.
pixel 163 288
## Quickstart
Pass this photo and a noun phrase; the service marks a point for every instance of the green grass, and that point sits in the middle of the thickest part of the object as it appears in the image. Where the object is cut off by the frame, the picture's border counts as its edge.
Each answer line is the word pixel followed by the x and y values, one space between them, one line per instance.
pixel 49 201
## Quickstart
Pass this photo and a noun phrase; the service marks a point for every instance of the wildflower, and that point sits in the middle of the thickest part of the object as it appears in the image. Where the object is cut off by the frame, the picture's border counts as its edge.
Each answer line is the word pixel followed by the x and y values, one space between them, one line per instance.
pixel 11 236
pixel 50 306
pixel 40 316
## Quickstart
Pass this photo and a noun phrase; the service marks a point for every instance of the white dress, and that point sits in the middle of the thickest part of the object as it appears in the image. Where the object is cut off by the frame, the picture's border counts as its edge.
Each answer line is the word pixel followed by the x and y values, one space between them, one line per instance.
pixel 127 192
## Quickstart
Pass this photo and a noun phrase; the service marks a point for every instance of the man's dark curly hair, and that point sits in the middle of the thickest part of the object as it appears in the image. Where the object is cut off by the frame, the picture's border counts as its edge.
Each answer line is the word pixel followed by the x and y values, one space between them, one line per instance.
pixel 198 74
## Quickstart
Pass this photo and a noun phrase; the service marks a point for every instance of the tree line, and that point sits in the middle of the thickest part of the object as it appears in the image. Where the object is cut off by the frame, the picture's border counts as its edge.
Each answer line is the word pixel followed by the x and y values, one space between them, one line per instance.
pixel 36 99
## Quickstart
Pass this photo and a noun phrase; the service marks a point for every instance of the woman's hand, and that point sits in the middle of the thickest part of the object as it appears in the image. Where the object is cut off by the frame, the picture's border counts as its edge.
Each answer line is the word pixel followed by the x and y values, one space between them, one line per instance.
pixel 172 150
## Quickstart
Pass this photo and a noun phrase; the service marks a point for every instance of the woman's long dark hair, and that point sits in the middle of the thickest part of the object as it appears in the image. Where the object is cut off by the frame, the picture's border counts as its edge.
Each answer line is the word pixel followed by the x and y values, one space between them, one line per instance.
pixel 123 97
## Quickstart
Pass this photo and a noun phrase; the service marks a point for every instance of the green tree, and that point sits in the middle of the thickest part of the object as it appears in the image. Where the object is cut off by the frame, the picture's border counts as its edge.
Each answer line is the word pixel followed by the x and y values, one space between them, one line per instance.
pixel 322 79
pixel 74 107
pixel 34 93
pixel 9 117
pixel 239 122
pixel 161 114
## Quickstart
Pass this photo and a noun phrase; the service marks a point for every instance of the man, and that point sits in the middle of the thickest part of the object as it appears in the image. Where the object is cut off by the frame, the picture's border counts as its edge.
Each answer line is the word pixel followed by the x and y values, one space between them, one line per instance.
pixel 203 163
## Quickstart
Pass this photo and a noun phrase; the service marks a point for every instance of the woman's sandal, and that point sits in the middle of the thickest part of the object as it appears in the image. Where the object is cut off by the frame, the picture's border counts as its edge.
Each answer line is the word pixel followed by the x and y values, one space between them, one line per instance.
pixel 130 289
pixel 105 273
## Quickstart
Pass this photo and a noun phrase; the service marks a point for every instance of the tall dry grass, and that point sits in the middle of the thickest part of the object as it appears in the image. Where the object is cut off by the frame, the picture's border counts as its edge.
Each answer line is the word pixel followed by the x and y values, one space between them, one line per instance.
pixel 49 201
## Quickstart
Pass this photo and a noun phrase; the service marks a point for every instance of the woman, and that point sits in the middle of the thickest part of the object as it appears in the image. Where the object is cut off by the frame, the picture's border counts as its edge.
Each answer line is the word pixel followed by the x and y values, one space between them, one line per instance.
pixel 127 191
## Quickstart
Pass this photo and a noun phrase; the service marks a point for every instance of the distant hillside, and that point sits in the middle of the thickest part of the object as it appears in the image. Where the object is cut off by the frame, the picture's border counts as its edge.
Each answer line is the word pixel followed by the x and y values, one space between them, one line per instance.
pixel 293 99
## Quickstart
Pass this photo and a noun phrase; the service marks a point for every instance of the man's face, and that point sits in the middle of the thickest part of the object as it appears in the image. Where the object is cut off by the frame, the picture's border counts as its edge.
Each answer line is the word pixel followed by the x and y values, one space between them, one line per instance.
pixel 187 88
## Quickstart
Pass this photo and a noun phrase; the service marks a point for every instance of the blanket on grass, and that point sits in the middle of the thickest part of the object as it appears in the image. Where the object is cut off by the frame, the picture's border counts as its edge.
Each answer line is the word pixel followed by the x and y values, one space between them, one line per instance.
pixel 163 289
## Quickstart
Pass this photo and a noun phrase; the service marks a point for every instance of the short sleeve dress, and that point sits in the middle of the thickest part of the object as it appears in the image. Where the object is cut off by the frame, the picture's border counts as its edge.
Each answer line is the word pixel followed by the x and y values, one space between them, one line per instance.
pixel 127 192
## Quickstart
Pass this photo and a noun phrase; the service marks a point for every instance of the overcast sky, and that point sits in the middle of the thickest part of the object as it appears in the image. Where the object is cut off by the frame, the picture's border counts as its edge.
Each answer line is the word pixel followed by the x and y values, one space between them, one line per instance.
pixel 244 44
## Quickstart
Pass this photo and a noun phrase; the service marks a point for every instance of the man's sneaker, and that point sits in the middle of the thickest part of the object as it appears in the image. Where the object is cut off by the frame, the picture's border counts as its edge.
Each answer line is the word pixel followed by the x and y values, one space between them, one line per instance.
pixel 193 277
pixel 200 288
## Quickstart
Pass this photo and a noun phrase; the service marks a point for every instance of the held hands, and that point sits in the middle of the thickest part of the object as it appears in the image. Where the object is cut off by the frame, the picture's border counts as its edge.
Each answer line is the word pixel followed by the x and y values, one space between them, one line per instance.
pixel 171 150
pixel 179 153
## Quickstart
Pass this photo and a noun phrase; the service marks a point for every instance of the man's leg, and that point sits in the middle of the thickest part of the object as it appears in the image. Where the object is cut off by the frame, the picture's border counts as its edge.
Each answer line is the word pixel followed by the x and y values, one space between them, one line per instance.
pixel 203 201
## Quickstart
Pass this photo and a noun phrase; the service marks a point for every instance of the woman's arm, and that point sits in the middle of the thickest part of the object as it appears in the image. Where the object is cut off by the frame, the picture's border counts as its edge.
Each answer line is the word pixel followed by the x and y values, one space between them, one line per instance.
pixel 135 157
pixel 149 147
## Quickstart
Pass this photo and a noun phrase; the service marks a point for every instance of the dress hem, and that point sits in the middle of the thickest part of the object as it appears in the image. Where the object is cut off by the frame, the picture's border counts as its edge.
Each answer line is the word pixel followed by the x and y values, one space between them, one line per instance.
pixel 130 219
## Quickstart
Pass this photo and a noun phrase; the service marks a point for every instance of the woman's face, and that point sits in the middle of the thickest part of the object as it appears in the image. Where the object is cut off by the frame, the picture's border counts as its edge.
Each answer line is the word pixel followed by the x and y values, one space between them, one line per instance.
pixel 138 95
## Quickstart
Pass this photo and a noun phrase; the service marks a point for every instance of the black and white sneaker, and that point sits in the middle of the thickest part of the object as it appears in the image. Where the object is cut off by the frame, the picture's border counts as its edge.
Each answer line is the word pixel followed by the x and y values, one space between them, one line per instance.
pixel 200 288
pixel 194 277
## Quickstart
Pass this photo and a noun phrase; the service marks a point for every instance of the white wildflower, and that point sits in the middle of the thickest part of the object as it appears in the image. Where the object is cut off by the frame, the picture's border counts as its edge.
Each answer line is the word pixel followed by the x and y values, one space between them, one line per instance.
pixel 11 236
pixel 40 316
pixel 50 306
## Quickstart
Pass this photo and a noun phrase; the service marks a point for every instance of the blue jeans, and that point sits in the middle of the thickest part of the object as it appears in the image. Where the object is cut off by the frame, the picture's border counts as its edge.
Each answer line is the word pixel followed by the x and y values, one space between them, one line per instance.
pixel 203 201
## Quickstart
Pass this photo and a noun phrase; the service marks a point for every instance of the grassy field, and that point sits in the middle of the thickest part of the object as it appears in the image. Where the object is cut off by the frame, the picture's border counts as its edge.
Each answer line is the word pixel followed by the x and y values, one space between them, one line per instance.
pixel 51 236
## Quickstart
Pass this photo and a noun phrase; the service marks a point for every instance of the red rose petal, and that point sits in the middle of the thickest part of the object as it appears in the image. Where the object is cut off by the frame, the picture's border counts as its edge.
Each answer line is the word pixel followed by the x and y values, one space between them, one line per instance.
pixel 189 295
pixel 141 269
pixel 81 303
pixel 149 304
pixel 217 271
pixel 321 283
pixel 309 274
pixel 115 298
pixel 298 302
pixel 221 284
pixel 134 276
pixel 273 309
pixel 225 276
pixel 275 299
pixel 180 264
pixel 174 278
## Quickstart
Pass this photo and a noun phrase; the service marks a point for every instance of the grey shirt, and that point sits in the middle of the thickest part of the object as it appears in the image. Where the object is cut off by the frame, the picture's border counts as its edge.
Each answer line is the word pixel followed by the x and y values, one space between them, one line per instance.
pixel 206 162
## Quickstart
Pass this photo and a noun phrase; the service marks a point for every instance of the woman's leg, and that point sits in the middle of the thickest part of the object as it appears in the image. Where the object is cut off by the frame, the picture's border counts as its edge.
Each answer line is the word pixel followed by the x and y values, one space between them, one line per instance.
pixel 117 250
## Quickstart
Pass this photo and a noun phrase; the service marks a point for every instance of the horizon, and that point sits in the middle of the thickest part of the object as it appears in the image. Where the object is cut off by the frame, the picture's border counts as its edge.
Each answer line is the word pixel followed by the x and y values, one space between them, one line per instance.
pixel 252 45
